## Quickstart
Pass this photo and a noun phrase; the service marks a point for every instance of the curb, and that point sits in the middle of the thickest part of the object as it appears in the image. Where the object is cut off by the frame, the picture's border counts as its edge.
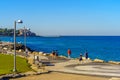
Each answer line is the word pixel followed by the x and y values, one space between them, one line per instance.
pixel 7 76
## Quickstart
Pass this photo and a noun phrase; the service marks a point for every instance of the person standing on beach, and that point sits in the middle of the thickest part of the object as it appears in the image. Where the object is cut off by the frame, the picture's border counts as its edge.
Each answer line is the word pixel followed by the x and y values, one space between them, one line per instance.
pixel 80 59
pixel 86 54
pixel 56 53
pixel 69 53
pixel 53 54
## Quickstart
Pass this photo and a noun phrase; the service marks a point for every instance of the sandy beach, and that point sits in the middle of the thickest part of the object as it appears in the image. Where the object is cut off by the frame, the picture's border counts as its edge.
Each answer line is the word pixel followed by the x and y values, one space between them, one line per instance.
pixel 61 76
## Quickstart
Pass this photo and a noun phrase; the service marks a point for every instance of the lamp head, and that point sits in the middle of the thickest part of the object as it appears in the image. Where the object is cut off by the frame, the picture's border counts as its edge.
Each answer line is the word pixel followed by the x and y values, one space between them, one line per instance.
pixel 28 29
pixel 19 21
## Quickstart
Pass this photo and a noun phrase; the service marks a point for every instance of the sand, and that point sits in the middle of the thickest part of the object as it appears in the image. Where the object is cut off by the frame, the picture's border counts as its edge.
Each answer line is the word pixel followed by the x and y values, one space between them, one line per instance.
pixel 61 76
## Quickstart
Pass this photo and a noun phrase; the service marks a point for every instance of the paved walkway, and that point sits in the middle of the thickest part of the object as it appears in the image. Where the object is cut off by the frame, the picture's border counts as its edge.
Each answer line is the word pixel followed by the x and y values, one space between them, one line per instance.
pixel 89 68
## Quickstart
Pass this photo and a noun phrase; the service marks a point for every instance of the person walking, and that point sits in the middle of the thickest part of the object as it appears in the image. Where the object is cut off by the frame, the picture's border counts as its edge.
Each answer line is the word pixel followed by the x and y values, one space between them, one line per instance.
pixel 69 53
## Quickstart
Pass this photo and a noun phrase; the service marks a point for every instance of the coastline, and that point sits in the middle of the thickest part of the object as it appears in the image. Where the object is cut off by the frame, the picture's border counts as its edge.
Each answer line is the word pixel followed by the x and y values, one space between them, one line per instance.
pixel 21 49
pixel 80 44
pixel 61 59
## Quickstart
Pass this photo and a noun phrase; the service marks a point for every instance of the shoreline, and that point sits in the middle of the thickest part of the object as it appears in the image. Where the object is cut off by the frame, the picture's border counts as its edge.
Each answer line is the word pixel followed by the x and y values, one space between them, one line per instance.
pixel 61 61
pixel 49 54
pixel 96 51
pixel 93 56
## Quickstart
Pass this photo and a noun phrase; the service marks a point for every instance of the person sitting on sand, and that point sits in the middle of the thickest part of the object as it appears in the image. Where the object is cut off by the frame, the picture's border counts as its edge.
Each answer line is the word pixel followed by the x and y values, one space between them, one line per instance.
pixel 69 53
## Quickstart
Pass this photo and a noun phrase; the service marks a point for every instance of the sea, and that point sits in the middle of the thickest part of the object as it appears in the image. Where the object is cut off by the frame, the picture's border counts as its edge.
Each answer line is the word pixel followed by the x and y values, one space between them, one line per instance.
pixel 101 47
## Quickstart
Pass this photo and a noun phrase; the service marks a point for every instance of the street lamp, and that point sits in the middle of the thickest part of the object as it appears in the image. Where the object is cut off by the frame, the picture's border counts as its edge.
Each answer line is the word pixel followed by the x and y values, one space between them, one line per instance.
pixel 25 40
pixel 19 21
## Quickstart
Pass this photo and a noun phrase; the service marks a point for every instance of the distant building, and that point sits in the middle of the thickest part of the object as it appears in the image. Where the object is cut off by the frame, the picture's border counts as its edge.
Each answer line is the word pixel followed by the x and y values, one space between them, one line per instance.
pixel 28 32
pixel 20 32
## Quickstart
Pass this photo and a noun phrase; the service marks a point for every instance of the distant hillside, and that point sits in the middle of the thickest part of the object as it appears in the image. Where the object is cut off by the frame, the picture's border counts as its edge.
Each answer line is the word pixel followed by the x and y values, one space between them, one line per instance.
pixel 20 32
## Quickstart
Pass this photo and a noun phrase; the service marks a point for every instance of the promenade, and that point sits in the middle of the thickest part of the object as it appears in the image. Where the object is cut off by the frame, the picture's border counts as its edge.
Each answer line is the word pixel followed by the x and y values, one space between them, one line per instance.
pixel 87 68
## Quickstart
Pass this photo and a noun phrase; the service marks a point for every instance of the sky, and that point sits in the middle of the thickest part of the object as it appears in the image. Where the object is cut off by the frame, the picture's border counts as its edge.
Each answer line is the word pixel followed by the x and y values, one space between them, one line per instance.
pixel 63 17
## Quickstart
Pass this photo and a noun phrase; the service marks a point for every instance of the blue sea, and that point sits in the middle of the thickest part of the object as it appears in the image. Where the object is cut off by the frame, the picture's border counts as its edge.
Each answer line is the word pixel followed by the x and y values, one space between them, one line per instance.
pixel 102 47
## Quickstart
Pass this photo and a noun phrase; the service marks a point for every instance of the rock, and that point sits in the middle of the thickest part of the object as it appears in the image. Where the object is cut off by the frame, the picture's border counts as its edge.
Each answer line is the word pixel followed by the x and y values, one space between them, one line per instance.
pixel 34 67
pixel 29 73
pixel 12 50
pixel 113 62
pixel 85 58
pixel 9 52
pixel 19 46
pixel 63 56
pixel 99 60
pixel 51 54
pixel 8 76
pixel 35 52
pixel 30 60
pixel 16 75
pixel 20 50
pixel 40 53
pixel 5 48
pixel 43 57
pixel 44 54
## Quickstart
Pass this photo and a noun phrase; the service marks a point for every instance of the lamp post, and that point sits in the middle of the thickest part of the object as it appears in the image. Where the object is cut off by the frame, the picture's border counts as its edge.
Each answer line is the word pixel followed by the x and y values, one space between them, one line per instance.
pixel 19 21
pixel 25 40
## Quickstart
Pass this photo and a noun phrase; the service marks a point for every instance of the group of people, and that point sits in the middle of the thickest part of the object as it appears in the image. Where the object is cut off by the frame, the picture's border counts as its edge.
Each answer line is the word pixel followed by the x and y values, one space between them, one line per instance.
pixel 86 56
pixel 55 54
pixel 80 58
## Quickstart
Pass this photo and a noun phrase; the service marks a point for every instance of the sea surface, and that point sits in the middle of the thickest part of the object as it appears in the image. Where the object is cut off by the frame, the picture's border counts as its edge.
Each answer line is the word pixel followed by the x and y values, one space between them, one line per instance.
pixel 102 47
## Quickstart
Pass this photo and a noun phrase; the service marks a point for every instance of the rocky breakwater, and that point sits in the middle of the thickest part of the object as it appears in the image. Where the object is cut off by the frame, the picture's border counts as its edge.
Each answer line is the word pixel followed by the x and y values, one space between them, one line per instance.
pixel 114 62
pixel 102 61
pixel 8 48
pixel 98 61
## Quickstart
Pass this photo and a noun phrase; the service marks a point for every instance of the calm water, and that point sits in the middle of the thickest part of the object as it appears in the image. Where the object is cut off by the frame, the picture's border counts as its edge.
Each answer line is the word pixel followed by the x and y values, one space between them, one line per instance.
pixel 102 47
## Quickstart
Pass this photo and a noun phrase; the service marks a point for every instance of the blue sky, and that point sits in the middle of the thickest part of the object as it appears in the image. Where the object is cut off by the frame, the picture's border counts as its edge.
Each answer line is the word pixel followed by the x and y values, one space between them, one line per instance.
pixel 63 17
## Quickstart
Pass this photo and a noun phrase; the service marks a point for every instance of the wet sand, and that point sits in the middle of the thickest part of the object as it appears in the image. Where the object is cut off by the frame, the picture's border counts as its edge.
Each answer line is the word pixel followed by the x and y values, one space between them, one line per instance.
pixel 61 76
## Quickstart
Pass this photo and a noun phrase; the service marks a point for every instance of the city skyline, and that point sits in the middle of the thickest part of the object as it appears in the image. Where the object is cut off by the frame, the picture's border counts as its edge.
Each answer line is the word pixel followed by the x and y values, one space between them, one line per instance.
pixel 63 17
